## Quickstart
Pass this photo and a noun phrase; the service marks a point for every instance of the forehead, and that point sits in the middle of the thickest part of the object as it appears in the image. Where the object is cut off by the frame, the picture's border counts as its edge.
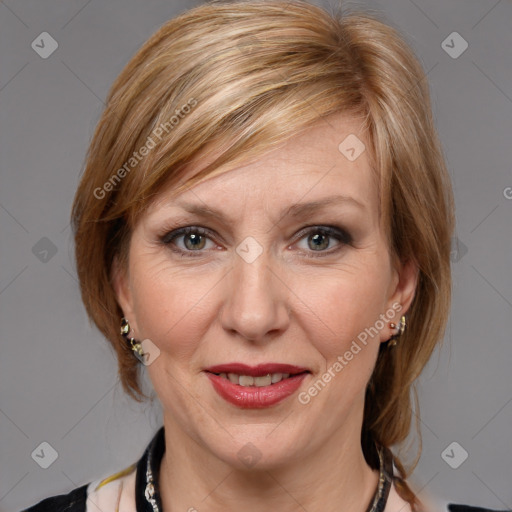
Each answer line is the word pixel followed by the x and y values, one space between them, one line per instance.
pixel 327 158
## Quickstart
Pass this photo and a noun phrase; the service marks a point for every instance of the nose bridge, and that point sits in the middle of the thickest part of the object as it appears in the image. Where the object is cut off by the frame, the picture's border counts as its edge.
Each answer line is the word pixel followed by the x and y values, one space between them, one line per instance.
pixel 256 302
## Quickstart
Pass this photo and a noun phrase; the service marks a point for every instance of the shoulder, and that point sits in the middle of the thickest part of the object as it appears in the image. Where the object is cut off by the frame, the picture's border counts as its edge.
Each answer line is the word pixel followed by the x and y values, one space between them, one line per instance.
pixel 454 507
pixel 71 502
pixel 397 504
pixel 117 492
pixel 108 494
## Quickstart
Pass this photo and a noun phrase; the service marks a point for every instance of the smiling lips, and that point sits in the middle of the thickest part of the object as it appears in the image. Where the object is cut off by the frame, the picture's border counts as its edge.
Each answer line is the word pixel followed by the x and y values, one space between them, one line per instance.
pixel 255 387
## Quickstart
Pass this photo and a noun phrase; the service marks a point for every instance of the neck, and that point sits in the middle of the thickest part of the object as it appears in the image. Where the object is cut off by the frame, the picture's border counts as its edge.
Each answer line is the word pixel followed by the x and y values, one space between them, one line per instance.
pixel 334 477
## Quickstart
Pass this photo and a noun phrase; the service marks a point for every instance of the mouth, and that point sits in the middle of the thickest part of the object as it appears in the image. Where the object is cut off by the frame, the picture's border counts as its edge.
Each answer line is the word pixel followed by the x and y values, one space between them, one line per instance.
pixel 256 387
pixel 258 382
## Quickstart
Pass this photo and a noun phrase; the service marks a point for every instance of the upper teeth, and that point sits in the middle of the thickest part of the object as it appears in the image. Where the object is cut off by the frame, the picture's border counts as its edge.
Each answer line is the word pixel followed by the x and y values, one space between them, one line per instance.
pixel 248 380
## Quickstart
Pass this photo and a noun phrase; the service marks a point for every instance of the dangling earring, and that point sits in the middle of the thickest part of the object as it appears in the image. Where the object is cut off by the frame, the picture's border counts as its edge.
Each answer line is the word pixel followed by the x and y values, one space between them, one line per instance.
pixel 132 342
pixel 400 330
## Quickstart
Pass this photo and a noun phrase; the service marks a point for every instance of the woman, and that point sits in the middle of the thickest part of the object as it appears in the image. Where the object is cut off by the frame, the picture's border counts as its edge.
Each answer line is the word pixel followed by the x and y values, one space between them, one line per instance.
pixel 264 225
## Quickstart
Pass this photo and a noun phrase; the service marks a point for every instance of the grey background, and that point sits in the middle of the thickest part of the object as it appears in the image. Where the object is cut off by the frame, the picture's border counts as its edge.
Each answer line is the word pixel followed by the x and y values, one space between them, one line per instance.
pixel 58 377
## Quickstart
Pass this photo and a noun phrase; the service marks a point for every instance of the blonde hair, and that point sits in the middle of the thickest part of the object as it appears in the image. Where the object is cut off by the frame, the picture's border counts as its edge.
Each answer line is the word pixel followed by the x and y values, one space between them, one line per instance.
pixel 245 76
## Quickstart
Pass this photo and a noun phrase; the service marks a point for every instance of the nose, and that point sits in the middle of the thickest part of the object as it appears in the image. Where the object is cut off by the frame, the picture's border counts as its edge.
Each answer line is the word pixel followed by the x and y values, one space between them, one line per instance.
pixel 256 306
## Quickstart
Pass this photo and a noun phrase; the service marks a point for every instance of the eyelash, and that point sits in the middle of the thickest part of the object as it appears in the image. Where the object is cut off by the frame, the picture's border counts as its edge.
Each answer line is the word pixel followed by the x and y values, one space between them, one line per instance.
pixel 339 234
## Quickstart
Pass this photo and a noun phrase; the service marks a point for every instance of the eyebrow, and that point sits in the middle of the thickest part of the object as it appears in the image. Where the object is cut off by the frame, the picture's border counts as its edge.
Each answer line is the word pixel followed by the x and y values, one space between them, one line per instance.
pixel 297 210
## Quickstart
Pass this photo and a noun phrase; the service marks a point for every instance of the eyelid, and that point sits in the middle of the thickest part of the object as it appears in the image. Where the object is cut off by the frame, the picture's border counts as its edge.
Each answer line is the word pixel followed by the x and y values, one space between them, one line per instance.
pixel 343 237
pixel 341 234
pixel 172 233
pixel 334 231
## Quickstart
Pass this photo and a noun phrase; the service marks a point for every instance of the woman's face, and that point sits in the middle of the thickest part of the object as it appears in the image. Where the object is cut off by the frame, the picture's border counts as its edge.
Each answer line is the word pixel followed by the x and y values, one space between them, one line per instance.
pixel 286 263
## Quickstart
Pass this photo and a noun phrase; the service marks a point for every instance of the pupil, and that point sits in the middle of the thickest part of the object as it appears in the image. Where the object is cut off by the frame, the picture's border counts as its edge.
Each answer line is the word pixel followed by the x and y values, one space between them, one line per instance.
pixel 319 238
pixel 195 241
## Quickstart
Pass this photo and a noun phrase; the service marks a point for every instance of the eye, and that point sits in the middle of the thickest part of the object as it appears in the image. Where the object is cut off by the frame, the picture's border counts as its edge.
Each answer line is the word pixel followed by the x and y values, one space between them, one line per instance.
pixel 193 239
pixel 319 238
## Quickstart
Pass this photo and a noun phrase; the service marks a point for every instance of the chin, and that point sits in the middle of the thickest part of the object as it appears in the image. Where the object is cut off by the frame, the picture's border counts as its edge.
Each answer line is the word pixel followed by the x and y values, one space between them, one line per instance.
pixel 253 458
pixel 256 449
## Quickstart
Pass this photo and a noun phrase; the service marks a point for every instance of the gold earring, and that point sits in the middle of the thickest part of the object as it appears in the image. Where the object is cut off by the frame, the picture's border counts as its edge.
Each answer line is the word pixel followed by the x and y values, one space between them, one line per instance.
pixel 132 342
pixel 401 328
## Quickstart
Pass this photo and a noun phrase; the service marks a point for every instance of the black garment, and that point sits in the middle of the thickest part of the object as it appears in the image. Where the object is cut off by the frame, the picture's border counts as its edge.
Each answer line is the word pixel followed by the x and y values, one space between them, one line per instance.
pixel 72 502
pixel 75 501
pixel 146 486
pixel 453 507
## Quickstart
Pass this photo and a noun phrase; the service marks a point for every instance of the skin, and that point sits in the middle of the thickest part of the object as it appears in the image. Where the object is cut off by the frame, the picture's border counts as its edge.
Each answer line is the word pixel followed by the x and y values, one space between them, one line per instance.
pixel 286 306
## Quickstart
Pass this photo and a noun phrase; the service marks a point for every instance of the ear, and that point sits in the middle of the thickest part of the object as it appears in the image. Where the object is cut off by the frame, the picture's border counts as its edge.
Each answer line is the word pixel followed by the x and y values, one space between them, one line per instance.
pixel 402 291
pixel 122 288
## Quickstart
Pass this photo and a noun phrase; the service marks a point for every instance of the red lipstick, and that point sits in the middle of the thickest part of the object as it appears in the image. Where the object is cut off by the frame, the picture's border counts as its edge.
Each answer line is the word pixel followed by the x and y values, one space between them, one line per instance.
pixel 256 397
pixel 256 371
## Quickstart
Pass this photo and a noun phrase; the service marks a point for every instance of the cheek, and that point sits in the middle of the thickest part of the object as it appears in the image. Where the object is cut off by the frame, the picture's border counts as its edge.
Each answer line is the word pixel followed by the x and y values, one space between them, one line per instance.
pixel 171 307
pixel 342 306
pixel 342 333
